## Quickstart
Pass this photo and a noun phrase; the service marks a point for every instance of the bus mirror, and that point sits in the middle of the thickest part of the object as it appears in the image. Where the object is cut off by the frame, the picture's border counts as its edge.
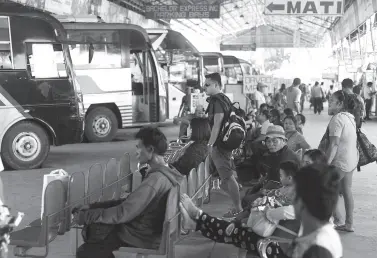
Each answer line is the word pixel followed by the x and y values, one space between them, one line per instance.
pixel 91 52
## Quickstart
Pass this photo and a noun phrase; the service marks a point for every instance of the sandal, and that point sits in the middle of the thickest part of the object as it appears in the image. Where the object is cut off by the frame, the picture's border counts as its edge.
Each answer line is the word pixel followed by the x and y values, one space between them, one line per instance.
pixel 344 228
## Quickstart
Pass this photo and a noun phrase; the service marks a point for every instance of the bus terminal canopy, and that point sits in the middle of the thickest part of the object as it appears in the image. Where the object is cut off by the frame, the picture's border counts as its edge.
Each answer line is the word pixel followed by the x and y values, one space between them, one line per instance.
pixel 295 23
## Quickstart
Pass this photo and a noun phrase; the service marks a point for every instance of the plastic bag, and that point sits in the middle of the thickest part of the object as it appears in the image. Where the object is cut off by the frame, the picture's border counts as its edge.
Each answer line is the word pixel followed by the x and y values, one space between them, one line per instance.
pixel 259 224
pixel 1 165
pixel 58 174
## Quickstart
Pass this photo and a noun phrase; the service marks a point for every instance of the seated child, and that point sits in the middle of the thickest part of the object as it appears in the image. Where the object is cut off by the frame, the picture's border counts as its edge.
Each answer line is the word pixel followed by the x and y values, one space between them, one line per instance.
pixel 301 120
pixel 284 195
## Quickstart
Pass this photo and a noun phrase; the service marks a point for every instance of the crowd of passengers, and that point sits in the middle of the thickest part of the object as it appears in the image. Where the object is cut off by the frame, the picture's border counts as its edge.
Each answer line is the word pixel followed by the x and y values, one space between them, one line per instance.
pixel 306 182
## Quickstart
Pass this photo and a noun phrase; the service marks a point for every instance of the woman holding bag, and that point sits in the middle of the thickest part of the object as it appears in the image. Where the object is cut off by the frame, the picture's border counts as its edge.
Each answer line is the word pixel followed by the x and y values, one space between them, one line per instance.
pixel 340 146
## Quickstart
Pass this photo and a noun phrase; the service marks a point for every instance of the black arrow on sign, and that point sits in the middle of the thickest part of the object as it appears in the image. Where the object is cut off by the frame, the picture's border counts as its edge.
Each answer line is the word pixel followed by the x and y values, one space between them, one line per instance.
pixel 275 7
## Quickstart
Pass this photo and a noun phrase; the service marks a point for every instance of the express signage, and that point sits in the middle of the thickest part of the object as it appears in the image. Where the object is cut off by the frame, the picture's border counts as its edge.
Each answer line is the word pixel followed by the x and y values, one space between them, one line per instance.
pixel 200 11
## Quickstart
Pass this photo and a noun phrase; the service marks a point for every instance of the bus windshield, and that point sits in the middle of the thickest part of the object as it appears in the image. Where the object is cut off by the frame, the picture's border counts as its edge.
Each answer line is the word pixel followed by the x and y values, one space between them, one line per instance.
pixel 184 71
pixel 211 64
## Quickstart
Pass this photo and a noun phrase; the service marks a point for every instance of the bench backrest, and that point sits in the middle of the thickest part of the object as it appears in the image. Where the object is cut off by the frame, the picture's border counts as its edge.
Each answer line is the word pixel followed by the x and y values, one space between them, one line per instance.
pixel 192 182
pixel 172 218
pixel 54 210
pixel 76 194
pixel 110 178
pixel 95 183
pixel 201 175
pixel 125 183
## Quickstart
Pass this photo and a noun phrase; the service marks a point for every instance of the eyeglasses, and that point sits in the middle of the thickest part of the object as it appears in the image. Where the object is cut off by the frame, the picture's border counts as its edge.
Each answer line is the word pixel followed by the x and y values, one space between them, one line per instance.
pixel 271 141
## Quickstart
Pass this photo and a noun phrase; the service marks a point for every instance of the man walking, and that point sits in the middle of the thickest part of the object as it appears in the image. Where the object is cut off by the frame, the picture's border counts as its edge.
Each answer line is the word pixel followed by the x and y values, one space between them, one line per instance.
pixel 317 96
pixel 294 96
pixel 220 158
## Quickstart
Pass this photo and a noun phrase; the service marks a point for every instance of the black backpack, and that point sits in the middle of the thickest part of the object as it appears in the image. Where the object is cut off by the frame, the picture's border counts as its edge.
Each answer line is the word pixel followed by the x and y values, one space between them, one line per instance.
pixel 233 129
pixel 355 107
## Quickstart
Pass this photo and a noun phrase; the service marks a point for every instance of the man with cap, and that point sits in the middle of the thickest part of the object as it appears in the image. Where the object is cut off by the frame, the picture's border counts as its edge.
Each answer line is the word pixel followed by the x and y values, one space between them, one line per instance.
pixel 269 163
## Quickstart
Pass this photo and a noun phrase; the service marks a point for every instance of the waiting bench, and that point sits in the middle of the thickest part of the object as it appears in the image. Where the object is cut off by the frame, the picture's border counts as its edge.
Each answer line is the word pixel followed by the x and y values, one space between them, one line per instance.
pixel 59 203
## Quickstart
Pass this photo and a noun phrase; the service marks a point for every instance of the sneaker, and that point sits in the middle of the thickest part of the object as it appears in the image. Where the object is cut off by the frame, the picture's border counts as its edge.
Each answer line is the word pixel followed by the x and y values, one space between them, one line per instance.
pixel 231 214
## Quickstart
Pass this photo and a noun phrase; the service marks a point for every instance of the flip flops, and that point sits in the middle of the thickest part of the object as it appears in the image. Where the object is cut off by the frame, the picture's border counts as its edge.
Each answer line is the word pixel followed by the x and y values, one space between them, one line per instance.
pixel 344 228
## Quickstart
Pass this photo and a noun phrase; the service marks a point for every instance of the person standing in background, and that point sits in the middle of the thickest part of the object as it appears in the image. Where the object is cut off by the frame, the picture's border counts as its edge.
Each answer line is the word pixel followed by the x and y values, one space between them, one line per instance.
pixel 185 105
pixel 317 98
pixel 294 96
pixel 303 96
pixel 368 94
pixel 259 96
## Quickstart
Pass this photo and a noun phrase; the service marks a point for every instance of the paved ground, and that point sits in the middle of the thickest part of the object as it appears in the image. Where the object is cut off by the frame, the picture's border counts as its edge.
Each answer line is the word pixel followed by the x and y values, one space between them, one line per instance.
pixel 23 192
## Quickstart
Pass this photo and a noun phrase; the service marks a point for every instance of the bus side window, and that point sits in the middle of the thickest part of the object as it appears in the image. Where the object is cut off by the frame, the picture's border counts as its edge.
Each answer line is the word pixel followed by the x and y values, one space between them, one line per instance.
pixel 88 56
pixel 45 60
pixel 5 47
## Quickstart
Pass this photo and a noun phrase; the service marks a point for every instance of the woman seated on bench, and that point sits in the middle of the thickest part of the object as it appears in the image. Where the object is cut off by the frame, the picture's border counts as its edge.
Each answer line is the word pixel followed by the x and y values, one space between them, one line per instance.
pixel 317 193
pixel 197 150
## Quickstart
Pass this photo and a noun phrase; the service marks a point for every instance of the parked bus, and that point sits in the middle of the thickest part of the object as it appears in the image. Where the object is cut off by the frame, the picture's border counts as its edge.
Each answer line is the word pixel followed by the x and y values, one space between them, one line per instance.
pixel 119 75
pixel 182 63
pixel 247 68
pixel 40 102
pixel 233 70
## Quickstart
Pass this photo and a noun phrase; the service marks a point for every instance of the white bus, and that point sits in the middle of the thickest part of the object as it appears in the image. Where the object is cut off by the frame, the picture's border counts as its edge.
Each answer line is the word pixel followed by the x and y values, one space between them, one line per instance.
pixel 119 75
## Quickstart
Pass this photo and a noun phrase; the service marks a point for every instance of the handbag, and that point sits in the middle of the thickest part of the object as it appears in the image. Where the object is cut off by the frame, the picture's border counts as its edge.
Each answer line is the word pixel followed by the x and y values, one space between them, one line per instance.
pixel 325 141
pixel 258 222
pixel 367 151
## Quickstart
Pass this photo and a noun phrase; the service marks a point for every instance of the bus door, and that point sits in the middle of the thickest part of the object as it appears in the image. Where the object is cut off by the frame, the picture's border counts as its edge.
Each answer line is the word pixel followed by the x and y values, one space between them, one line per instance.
pixel 145 92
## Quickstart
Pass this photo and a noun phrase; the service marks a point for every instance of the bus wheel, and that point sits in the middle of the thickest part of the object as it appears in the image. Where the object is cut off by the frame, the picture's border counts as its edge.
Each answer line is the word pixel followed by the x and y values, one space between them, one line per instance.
pixel 25 146
pixel 101 125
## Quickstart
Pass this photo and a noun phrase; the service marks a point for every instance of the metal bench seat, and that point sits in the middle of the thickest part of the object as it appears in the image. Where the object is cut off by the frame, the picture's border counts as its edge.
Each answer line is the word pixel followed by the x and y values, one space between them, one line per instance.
pixel 52 222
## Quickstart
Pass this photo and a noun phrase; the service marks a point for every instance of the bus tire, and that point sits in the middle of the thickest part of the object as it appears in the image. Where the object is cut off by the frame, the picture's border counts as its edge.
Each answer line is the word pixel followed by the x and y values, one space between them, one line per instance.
pixel 25 146
pixel 101 125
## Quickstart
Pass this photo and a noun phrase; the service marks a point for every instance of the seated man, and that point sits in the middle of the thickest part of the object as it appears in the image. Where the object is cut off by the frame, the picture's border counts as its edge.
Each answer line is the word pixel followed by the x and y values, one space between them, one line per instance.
pixel 136 221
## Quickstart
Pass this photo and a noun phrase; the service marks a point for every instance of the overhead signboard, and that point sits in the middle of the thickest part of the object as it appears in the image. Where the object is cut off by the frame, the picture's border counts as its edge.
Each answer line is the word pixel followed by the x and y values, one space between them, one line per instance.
pixel 238 47
pixel 304 7
pixel 250 82
pixel 199 11
pixel 59 6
